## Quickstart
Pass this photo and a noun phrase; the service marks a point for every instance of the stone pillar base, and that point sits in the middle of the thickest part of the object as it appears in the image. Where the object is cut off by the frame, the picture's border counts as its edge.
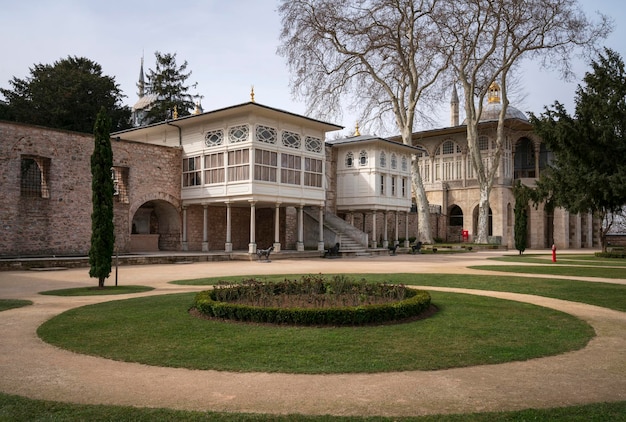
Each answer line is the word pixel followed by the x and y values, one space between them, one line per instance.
pixel 251 247
pixel 276 247
pixel 228 247
pixel 320 246
pixel 300 246
pixel 205 246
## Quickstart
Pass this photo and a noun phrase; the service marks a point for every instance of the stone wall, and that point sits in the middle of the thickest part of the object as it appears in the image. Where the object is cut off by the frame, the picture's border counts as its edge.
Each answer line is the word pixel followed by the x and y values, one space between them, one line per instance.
pixel 57 221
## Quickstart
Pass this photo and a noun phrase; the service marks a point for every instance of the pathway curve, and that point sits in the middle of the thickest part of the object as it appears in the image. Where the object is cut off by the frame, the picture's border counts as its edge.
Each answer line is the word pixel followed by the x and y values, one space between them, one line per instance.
pixel 32 368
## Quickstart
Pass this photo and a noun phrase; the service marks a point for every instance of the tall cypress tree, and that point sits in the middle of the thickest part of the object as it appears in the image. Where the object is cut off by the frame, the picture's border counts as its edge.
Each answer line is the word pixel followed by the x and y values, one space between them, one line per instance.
pixel 102 229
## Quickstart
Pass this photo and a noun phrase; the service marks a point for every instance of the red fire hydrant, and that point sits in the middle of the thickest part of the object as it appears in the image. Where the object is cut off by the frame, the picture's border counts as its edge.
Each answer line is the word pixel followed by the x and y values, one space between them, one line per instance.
pixel 553 252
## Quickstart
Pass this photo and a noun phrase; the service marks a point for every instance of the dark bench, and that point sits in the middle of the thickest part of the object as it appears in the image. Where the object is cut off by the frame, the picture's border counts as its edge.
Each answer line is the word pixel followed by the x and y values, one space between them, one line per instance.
pixel 416 248
pixel 265 253
pixel 393 249
pixel 332 251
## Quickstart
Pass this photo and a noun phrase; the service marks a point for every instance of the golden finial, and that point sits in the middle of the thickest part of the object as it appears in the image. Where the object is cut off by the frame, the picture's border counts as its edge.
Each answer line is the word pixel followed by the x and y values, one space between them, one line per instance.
pixel 252 93
pixel 198 109
pixel 494 93
pixel 175 113
pixel 356 130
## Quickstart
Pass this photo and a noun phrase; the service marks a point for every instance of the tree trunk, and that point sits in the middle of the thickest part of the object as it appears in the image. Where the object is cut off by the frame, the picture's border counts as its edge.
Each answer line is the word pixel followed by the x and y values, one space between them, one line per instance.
pixel 423 210
pixel 483 215
pixel 101 282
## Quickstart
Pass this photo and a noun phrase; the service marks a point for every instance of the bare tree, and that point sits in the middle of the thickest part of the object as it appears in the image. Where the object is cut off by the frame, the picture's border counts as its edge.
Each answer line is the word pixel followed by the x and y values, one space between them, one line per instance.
pixel 381 53
pixel 487 39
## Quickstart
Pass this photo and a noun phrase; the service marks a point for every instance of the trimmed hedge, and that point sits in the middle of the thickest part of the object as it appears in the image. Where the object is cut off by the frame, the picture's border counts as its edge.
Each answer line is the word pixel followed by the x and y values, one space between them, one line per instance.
pixel 616 253
pixel 411 303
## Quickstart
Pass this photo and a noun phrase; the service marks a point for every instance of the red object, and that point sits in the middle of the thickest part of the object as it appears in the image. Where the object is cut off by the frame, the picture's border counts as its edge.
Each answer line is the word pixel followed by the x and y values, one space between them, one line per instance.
pixel 553 253
pixel 465 235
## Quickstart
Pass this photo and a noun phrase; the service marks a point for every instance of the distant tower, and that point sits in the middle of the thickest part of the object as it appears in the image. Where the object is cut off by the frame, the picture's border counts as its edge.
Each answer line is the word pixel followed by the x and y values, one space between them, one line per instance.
pixel 141 84
pixel 454 108
pixel 144 103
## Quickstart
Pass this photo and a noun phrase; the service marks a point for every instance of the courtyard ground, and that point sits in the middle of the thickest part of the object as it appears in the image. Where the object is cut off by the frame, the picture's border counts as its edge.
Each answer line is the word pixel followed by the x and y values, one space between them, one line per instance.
pixel 31 368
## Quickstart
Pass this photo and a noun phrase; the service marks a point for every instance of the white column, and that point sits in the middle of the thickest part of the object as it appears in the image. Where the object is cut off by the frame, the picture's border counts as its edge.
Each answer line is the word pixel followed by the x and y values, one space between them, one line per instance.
pixel 300 243
pixel 205 229
pixel 320 243
pixel 386 223
pixel 277 228
pixel 374 241
pixel 228 247
pixel 252 244
pixel 406 231
pixel 185 246
pixel 351 218
pixel 395 241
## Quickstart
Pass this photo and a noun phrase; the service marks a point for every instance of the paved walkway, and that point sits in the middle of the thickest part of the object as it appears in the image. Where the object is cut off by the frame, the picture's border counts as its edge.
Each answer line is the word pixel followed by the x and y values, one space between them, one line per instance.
pixel 32 368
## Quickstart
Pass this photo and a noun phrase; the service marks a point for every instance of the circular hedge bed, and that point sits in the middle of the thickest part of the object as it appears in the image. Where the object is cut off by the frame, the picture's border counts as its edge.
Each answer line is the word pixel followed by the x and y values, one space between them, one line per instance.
pixel 312 300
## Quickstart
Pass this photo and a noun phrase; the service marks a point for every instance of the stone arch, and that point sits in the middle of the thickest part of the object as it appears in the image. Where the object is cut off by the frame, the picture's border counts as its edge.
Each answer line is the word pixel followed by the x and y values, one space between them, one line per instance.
pixel 42 147
pixel 155 223
pixel 455 223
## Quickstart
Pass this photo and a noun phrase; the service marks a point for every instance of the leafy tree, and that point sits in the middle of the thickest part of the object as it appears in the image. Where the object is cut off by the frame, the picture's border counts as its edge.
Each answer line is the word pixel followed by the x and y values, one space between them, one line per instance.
pixel 168 82
pixel 381 54
pixel 487 39
pixel 588 173
pixel 102 229
pixel 66 95
pixel 522 197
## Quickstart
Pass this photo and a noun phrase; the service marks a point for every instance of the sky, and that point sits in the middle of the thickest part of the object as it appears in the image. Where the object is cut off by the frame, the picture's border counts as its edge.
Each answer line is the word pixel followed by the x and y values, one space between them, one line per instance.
pixel 230 46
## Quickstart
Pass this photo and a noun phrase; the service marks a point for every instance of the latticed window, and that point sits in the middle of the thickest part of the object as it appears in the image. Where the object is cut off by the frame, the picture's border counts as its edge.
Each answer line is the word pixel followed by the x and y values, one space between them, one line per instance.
pixel 214 168
pixel 34 176
pixel 405 165
pixel 266 165
pixel 404 183
pixel 313 172
pixel 238 165
pixel 383 159
pixel 238 134
pixel 349 160
pixel 381 182
pixel 394 161
pixel 120 184
pixel 192 171
pixel 266 134
pixel 214 138
pixel 291 169
pixel 313 144
pixel 393 186
pixel 483 143
pixel 291 139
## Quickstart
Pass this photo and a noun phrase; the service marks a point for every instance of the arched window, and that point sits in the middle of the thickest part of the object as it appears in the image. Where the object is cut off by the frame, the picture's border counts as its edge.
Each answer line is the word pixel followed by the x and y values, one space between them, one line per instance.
pixel 423 164
pixel 448 162
pixel 349 160
pixel 394 161
pixel 363 158
pixel 383 159
pixel 456 216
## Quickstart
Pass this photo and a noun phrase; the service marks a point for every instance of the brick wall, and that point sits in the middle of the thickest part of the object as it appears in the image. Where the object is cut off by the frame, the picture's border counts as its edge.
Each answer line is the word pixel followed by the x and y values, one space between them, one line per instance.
pixel 60 224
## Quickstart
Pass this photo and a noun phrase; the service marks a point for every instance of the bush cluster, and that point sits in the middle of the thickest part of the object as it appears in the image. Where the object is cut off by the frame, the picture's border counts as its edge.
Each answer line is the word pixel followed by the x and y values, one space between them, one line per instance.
pixel 312 301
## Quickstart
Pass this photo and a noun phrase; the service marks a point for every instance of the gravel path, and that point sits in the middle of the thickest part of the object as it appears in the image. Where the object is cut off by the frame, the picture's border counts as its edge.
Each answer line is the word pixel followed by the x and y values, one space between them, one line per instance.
pixel 32 368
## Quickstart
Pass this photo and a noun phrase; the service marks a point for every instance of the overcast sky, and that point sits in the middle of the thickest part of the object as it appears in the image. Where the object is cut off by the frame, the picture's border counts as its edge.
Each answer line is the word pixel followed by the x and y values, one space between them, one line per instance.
pixel 230 45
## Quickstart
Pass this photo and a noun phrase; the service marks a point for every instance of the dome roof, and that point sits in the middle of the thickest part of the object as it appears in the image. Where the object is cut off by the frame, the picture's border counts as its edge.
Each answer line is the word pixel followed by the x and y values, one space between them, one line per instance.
pixel 491 111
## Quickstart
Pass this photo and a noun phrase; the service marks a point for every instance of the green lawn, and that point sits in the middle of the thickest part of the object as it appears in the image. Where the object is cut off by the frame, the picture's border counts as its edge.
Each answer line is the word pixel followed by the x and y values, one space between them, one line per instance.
pixel 96 291
pixel 555 269
pixel 19 409
pixel 467 330
pixel 6 304
pixel 570 259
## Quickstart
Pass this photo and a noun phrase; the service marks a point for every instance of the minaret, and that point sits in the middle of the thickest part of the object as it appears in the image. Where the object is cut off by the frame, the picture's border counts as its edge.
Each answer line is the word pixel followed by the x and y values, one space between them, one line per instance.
pixel 141 84
pixel 454 108
pixel 494 93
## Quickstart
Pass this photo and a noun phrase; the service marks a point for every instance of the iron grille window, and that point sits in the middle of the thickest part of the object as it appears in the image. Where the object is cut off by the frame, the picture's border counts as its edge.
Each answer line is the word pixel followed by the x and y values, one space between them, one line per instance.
pixel 34 176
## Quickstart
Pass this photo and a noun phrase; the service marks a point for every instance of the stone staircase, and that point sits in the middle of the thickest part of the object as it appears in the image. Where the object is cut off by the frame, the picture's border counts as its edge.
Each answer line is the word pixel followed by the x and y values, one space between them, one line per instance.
pixel 352 240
